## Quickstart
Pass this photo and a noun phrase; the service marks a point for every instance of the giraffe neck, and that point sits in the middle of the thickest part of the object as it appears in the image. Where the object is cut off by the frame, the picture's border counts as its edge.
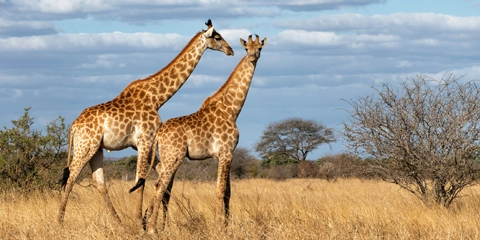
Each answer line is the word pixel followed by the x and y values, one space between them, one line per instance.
pixel 233 92
pixel 161 86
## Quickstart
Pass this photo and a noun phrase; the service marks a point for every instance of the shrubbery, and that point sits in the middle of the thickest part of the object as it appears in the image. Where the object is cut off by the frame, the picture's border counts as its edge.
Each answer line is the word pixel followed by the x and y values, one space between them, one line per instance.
pixel 31 159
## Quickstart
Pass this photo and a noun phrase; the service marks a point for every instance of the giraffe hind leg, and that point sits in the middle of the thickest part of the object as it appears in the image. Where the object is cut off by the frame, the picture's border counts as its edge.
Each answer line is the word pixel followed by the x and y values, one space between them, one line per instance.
pixel 70 174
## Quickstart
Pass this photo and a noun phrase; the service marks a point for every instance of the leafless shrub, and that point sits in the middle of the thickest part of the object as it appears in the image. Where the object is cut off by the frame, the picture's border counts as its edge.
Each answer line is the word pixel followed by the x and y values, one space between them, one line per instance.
pixel 423 137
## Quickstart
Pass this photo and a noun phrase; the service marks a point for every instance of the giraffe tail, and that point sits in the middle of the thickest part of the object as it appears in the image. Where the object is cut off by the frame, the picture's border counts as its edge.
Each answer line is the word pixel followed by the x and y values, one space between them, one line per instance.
pixel 66 170
pixel 141 181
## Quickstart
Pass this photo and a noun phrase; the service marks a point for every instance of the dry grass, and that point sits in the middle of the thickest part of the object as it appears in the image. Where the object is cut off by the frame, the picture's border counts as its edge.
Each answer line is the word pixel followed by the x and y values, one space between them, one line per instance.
pixel 261 209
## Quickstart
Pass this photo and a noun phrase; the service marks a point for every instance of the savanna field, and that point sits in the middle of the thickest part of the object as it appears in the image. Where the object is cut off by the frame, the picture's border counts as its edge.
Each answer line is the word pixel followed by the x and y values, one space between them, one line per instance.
pixel 260 209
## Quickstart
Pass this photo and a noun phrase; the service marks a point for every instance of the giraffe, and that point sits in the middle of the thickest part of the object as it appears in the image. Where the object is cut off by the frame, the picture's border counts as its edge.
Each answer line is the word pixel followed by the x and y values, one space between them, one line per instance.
pixel 209 132
pixel 131 120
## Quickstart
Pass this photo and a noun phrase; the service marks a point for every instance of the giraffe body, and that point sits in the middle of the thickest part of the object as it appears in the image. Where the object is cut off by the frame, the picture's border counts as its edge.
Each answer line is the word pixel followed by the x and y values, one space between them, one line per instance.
pixel 209 132
pixel 131 119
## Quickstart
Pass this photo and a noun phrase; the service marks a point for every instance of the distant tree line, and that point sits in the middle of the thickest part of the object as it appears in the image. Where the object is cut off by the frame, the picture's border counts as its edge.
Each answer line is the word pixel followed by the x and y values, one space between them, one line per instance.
pixel 245 166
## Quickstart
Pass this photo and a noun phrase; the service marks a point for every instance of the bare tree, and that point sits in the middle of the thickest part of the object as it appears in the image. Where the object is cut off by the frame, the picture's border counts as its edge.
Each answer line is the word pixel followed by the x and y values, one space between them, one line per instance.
pixel 293 138
pixel 423 137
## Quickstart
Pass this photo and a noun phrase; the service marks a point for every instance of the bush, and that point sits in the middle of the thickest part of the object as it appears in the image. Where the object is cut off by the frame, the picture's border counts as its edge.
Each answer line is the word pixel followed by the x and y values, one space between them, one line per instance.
pixel 343 166
pixel 30 160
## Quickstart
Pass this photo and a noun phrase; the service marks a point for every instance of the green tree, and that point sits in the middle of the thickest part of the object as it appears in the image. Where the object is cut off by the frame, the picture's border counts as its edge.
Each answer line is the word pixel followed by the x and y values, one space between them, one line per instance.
pixel 292 138
pixel 275 159
pixel 124 167
pixel 29 159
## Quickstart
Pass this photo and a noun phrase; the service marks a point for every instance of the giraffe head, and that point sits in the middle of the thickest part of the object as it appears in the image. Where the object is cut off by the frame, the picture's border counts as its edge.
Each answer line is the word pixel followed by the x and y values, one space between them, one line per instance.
pixel 253 48
pixel 215 41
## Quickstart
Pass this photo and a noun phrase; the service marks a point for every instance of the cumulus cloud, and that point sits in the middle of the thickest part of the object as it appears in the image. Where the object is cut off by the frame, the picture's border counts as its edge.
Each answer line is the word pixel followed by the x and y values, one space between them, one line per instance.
pixel 10 28
pixel 198 80
pixel 85 41
pixel 396 23
pixel 318 5
pixel 104 61
pixel 140 11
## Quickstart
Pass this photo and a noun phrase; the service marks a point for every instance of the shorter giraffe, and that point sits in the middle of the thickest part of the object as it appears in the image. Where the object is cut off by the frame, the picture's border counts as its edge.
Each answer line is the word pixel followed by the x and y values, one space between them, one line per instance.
pixel 209 132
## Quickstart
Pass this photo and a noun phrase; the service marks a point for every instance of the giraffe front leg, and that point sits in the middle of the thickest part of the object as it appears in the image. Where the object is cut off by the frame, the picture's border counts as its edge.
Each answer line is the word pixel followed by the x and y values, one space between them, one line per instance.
pixel 169 166
pixel 98 181
pixel 223 190
pixel 165 201
pixel 140 178
pixel 151 213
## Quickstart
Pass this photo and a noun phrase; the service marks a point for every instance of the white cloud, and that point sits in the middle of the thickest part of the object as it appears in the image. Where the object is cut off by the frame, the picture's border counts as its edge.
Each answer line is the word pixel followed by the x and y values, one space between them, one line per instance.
pixel 426 42
pixel 297 38
pixel 232 36
pixel 396 23
pixel 17 93
pixel 53 6
pixel 199 80
pixel 144 10
pixel 82 41
pixel 309 38
pixel 316 5
pixel 104 61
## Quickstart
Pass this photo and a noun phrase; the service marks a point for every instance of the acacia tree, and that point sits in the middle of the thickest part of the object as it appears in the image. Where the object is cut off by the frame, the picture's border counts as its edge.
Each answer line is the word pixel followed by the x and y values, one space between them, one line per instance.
pixel 423 137
pixel 293 138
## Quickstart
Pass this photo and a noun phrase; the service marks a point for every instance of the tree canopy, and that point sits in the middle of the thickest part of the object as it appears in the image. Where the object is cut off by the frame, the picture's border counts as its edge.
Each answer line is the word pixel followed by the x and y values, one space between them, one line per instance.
pixel 293 138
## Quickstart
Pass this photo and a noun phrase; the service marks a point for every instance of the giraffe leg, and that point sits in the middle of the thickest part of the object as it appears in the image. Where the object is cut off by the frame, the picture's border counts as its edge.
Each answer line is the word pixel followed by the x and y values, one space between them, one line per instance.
pixel 151 215
pixel 144 148
pixel 139 206
pixel 79 160
pixel 223 189
pixel 165 179
pixel 149 209
pixel 98 181
pixel 165 200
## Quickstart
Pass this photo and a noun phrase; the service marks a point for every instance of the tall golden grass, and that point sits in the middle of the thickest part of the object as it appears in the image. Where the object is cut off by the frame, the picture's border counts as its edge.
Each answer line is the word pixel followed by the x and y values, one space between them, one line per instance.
pixel 260 209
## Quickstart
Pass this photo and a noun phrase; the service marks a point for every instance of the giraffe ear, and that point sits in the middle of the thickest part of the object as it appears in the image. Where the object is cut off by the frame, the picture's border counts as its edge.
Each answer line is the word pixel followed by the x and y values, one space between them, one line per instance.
pixel 243 42
pixel 208 33
pixel 263 42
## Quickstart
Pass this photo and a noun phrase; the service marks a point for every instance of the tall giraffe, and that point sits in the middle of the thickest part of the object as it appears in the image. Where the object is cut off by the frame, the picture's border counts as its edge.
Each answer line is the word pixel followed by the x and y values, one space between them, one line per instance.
pixel 131 120
pixel 209 132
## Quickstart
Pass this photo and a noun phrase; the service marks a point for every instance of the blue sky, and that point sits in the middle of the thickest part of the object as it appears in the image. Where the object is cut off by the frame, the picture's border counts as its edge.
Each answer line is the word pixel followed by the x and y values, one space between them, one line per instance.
pixel 60 57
